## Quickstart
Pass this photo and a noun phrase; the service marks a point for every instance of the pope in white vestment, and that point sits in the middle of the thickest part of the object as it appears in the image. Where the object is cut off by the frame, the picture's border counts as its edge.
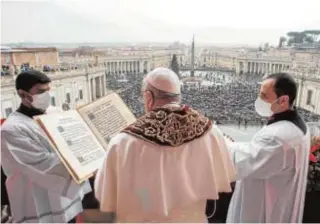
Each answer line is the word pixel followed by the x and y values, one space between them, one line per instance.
pixel 39 187
pixel 165 166
pixel 272 168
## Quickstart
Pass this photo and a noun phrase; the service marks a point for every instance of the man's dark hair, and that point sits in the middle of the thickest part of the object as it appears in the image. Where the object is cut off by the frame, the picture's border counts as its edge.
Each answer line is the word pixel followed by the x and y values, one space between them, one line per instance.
pixel 26 80
pixel 284 85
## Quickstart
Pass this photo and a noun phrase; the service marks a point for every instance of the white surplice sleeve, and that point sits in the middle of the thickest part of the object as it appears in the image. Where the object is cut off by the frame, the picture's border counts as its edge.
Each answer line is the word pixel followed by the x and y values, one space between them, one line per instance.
pixel 106 181
pixel 262 158
pixel 23 154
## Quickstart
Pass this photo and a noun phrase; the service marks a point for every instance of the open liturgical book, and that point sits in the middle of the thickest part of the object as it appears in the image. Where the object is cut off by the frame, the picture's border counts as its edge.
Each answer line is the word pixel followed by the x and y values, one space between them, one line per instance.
pixel 81 136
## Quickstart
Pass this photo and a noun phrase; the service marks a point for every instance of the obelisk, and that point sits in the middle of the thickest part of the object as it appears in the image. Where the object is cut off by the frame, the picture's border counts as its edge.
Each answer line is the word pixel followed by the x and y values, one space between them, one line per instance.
pixel 192 58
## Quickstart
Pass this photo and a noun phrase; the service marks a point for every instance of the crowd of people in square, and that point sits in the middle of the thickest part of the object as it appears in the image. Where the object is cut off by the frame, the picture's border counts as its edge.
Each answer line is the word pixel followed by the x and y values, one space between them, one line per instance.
pixel 229 100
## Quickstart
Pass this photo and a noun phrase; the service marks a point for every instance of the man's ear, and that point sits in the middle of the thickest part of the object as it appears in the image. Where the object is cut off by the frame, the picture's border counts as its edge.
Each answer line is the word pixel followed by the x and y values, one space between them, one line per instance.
pixel 284 99
pixel 24 95
pixel 21 93
pixel 149 98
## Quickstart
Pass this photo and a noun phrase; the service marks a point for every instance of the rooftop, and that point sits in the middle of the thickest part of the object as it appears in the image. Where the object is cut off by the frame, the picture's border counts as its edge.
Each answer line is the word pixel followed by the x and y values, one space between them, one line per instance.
pixel 5 49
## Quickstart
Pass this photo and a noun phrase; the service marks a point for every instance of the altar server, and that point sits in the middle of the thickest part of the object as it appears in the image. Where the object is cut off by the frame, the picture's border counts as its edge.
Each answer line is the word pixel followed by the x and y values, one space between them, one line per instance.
pixel 40 188
pixel 272 168
pixel 164 166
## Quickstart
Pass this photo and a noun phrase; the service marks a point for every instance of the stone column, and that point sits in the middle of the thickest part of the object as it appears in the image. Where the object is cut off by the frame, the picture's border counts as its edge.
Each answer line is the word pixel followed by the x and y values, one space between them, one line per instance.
pixel 130 67
pixel 88 91
pixel 101 86
pixel 127 67
pixel 148 66
pixel 104 85
pixel 140 67
pixel 92 89
pixel 107 67
pixel 247 67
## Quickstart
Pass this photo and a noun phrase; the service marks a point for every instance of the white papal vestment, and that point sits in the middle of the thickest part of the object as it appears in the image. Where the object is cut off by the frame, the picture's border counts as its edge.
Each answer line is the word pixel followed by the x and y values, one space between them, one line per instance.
pixel 39 187
pixel 272 175
pixel 143 179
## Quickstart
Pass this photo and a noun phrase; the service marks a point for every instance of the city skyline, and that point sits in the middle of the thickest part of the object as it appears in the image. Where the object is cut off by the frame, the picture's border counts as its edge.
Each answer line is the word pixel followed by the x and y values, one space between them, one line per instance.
pixel 213 22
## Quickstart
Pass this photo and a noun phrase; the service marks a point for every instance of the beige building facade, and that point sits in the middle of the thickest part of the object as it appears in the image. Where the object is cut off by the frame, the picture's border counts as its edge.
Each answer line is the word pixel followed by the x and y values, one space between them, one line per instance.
pixel 34 57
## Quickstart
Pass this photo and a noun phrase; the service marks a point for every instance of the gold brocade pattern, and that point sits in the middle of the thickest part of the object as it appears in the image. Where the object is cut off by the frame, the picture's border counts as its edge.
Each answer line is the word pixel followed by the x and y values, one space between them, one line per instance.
pixel 170 127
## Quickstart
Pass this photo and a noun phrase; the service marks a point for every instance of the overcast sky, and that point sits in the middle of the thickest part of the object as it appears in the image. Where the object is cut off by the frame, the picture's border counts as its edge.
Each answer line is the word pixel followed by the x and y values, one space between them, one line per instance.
pixel 213 21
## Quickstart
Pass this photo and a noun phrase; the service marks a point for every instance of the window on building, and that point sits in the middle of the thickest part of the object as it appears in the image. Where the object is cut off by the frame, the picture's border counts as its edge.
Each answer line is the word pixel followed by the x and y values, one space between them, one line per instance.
pixel 8 111
pixel 80 94
pixel 53 101
pixel 309 97
pixel 68 98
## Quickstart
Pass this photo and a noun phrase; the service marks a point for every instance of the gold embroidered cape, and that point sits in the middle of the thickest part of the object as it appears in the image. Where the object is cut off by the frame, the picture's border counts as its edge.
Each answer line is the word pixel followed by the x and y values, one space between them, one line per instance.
pixel 170 127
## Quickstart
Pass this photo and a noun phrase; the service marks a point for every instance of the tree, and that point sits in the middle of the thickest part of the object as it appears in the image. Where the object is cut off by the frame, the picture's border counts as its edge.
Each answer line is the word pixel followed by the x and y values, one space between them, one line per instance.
pixel 175 65
pixel 313 34
pixel 296 37
pixel 309 39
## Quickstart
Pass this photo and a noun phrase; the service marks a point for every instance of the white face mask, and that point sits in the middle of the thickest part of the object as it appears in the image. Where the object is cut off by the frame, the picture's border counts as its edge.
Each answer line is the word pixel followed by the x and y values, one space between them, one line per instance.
pixel 41 101
pixel 263 108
